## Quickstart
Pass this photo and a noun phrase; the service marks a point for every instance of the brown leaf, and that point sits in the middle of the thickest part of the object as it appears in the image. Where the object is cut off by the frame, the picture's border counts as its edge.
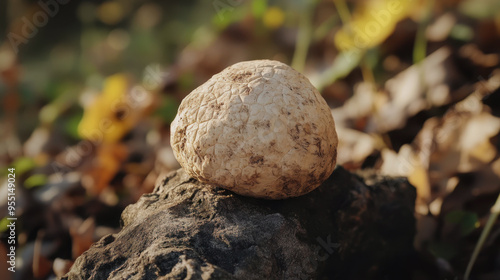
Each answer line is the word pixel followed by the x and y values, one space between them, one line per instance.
pixel 419 87
pixel 82 236
pixel 104 167
pixel 355 146
pixel 42 266
pixel 4 265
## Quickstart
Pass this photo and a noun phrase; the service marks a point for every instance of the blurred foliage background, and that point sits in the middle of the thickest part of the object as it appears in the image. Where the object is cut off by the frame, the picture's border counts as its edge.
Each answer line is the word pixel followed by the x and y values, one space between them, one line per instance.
pixel 89 88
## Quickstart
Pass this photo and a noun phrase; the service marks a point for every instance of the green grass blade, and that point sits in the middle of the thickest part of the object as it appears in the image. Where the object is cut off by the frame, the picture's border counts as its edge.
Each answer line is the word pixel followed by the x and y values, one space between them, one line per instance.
pixel 495 211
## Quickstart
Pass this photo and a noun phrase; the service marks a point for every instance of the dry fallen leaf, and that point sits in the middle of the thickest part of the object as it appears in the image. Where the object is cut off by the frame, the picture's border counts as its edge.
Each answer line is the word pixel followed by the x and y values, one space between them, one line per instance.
pixel 41 264
pixel 82 236
pixel 419 87
pixel 4 265
pixel 104 166
pixel 355 146
pixel 476 149
pixel 406 163
pixel 459 142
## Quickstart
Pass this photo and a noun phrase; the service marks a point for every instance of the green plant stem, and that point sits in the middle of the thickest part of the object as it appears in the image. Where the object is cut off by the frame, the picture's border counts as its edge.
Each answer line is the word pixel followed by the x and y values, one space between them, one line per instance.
pixel 495 211
pixel 345 17
pixel 303 40
pixel 420 47
pixel 342 10
pixel 341 67
pixel 367 72
pixel 322 31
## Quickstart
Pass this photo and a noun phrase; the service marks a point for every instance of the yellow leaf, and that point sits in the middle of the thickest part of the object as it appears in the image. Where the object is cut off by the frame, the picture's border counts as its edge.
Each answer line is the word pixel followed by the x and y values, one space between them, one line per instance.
pixel 372 22
pixel 115 111
pixel 484 152
pixel 273 18
pixel 420 180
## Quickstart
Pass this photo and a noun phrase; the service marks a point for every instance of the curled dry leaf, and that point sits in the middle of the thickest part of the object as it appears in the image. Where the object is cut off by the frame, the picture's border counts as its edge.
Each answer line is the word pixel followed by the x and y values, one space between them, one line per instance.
pixel 419 87
pixel 407 164
pixel 82 236
pixel 99 172
pixel 355 146
pixel 363 104
pixel 459 142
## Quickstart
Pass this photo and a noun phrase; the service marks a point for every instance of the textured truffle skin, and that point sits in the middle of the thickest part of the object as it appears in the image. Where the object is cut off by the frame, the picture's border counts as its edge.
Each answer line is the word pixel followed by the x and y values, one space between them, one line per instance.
pixel 258 128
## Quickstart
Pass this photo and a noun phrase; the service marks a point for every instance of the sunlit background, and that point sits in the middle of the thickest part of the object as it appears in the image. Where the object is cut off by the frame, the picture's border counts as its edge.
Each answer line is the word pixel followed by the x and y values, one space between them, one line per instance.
pixel 88 90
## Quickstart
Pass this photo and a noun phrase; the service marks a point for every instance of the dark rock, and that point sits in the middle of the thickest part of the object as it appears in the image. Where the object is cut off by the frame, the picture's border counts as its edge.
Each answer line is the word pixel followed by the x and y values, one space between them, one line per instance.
pixel 351 227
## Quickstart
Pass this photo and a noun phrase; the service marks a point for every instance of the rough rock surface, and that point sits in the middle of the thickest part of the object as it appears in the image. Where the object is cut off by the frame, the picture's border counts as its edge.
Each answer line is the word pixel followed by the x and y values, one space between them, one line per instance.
pixel 259 128
pixel 351 227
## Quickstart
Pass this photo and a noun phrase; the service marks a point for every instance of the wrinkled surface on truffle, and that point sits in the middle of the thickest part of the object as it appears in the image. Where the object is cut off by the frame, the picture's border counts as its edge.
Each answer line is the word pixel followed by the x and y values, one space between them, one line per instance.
pixel 258 128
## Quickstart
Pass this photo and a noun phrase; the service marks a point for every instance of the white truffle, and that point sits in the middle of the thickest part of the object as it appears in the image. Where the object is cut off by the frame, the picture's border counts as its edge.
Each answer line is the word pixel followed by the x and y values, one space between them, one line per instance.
pixel 258 128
